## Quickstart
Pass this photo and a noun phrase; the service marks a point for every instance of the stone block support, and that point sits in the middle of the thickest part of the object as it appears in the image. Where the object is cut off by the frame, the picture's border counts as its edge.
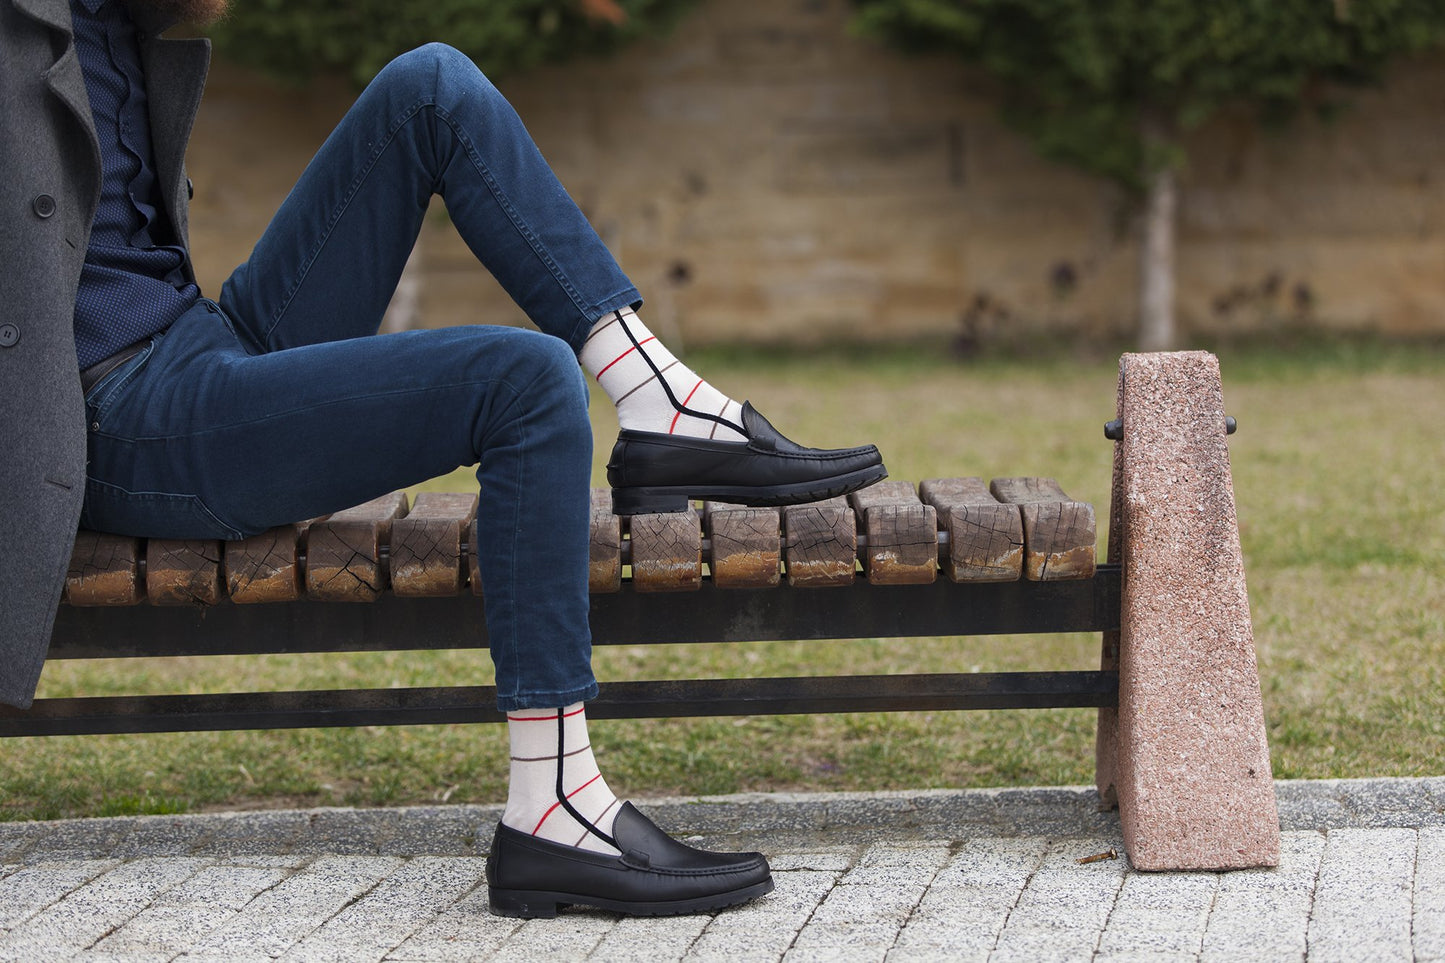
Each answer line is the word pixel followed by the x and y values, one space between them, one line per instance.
pixel 1185 756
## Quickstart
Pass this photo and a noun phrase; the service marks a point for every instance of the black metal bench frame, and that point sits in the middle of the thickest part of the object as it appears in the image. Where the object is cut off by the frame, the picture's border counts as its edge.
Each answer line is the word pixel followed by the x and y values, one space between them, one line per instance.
pixel 710 614
pixel 1182 747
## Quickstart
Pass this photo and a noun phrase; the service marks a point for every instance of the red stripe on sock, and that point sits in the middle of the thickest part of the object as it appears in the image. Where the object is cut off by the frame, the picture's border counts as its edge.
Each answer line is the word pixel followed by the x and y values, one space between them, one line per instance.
pixel 614 361
pixel 553 807
pixel 623 355
pixel 673 427
pixel 584 785
pixel 538 828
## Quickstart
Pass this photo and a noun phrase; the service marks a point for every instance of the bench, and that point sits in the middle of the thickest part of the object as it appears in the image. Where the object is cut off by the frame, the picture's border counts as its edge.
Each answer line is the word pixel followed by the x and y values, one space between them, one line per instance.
pixel 1181 745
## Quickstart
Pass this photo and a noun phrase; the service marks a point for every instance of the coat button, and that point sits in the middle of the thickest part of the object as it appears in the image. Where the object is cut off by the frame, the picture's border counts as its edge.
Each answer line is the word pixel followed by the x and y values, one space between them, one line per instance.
pixel 190 190
pixel 43 205
pixel 9 335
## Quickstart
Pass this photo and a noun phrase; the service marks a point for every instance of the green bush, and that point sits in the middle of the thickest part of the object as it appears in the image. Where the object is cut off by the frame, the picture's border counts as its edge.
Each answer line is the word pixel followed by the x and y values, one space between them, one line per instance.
pixel 1109 85
pixel 296 39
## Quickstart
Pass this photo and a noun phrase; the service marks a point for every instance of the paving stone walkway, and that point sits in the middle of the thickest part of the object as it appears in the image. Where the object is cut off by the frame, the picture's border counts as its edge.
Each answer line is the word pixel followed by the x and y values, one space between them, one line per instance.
pixel 972 875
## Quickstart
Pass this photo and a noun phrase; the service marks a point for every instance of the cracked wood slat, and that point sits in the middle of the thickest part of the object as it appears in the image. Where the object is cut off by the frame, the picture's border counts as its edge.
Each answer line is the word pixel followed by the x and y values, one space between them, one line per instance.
pixel 746 547
pixel 985 536
pixel 427 553
pixel 604 545
pixel 1058 531
pixel 104 570
pixel 902 534
pixel 820 543
pixel 666 552
pixel 183 571
pixel 343 553
pixel 264 567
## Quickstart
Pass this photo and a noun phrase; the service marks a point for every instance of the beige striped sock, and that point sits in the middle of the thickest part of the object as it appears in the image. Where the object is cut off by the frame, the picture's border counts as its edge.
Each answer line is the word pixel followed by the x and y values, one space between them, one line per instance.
pixel 556 792
pixel 652 390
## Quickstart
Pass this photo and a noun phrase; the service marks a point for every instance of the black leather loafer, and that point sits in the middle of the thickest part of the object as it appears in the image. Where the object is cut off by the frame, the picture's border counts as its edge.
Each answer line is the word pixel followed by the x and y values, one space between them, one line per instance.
pixel 655 875
pixel 654 472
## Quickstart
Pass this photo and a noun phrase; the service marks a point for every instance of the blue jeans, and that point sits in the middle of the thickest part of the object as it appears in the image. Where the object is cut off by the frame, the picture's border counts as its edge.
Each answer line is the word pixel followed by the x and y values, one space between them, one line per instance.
pixel 281 402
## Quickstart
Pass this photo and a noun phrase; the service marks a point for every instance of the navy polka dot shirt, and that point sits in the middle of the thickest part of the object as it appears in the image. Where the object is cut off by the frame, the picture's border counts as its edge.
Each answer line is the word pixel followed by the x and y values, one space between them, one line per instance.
pixel 133 283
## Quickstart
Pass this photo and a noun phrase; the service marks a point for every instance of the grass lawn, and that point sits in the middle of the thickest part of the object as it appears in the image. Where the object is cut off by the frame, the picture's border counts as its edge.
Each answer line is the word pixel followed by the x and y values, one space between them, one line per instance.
pixel 1335 470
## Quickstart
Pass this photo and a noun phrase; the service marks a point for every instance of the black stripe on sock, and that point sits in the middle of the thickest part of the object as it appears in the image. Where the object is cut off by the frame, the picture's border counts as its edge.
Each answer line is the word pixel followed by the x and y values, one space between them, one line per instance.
pixel 562 792
pixel 667 388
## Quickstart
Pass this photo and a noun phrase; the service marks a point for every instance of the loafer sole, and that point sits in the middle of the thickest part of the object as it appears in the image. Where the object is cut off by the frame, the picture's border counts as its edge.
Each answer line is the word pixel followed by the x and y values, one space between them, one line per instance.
pixel 662 499
pixel 543 904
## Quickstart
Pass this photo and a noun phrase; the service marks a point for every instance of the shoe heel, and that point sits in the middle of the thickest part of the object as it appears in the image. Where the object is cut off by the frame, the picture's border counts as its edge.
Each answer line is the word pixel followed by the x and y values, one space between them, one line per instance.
pixel 521 904
pixel 648 501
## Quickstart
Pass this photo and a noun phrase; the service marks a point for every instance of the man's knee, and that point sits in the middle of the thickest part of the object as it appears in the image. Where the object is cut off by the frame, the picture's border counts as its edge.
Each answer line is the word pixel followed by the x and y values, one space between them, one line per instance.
pixel 433 67
pixel 558 374
pixel 544 377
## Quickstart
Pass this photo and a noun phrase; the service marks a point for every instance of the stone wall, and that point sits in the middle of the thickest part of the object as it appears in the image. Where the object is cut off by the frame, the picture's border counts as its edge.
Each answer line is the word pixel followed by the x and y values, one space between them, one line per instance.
pixel 764 176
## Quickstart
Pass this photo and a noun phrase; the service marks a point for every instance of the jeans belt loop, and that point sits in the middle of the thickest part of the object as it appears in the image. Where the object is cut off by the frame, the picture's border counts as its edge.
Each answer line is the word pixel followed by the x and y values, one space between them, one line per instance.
pixel 90 377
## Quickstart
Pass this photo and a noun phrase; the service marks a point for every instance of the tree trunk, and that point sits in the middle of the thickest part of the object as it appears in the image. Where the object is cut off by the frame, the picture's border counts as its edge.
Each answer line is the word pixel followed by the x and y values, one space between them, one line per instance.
pixel 1156 261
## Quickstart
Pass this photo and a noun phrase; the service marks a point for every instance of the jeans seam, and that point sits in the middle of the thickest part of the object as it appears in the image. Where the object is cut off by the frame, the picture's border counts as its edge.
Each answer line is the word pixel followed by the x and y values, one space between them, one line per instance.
pixel 513 646
pixel 513 215
pixel 104 404
pixel 483 171
pixel 514 653
pixel 231 531
pixel 340 210
pixel 290 411
pixel 551 698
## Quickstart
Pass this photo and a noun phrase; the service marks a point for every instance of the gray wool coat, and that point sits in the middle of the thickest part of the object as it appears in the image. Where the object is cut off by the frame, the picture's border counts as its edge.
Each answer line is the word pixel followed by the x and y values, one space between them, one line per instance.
pixel 49 190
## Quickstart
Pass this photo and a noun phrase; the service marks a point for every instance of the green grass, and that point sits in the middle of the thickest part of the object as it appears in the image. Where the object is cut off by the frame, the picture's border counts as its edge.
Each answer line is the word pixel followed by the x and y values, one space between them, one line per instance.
pixel 1335 471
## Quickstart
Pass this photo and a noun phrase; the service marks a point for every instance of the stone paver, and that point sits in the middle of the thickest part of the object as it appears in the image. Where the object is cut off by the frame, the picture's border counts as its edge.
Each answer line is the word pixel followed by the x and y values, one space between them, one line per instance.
pixel 30 890
pixel 387 916
pixel 904 881
pixel 1363 897
pixel 1429 911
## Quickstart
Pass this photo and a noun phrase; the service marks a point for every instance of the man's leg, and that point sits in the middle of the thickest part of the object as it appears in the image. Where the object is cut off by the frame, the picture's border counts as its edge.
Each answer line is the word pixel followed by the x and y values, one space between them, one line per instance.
pixel 431 123
pixel 202 436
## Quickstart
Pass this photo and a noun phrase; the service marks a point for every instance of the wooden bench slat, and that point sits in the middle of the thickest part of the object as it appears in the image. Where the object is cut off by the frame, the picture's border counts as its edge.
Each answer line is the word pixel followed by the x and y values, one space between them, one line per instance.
pixel 183 571
pixel 902 534
pixel 104 570
pixel 343 553
pixel 604 552
pixel 264 567
pixel 747 549
pixel 666 552
pixel 992 533
pixel 985 536
pixel 820 544
pixel 1059 533
pixel 427 544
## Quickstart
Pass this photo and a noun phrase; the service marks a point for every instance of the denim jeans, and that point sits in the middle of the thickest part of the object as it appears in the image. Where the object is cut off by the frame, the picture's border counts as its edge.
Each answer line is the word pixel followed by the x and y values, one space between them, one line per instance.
pixel 280 402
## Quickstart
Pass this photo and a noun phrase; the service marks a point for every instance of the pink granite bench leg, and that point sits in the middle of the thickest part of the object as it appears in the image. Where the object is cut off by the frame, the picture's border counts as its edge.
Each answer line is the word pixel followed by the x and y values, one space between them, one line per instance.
pixel 1185 755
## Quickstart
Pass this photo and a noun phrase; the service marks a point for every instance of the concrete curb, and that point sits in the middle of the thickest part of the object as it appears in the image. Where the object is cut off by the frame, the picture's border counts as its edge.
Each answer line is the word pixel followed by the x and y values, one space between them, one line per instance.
pixel 794 819
pixel 904 876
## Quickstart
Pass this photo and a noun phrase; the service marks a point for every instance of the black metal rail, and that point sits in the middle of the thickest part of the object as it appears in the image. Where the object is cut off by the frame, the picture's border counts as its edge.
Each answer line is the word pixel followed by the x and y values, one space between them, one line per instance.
pixel 708 615
pixel 618 700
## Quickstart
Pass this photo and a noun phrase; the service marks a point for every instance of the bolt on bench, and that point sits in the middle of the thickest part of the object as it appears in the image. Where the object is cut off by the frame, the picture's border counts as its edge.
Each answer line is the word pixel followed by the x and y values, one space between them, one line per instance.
pixel 1181 746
